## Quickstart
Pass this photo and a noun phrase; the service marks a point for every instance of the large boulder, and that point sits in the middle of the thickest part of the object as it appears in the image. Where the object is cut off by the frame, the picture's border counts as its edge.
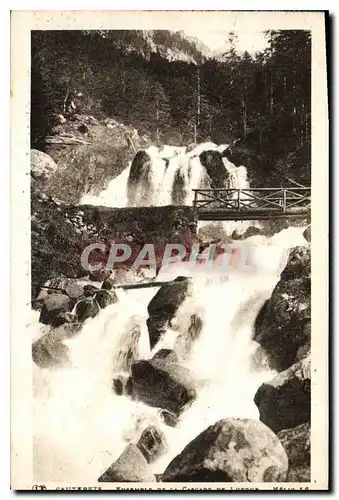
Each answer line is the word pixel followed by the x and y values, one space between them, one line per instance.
pixel 212 161
pixel 285 401
pixel 53 305
pixel 163 384
pixel 231 450
pixel 297 443
pixel 164 305
pixel 152 443
pixel 167 354
pixel 286 323
pixel 49 351
pixel 72 287
pixel 139 175
pixel 86 308
pixel 42 165
pixel 130 467
pixel 105 298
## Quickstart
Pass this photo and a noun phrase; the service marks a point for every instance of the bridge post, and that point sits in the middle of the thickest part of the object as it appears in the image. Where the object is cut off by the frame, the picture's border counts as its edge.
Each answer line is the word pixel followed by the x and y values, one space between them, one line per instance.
pixel 195 203
pixel 284 200
pixel 238 201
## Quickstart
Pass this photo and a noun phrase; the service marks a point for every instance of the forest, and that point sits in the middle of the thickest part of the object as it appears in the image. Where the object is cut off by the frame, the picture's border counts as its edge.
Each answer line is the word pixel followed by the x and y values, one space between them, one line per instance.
pixel 162 84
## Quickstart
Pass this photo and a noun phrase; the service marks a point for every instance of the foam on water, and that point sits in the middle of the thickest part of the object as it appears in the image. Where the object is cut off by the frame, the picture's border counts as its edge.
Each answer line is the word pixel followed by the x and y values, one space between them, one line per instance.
pixel 166 161
pixel 81 426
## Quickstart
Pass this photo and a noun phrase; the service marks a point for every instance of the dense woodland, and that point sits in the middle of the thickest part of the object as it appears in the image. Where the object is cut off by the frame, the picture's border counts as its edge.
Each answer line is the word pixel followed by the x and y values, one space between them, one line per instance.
pixel 165 86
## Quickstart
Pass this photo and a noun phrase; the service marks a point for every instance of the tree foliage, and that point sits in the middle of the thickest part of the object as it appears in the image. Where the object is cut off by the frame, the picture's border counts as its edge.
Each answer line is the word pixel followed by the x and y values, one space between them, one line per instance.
pixel 160 82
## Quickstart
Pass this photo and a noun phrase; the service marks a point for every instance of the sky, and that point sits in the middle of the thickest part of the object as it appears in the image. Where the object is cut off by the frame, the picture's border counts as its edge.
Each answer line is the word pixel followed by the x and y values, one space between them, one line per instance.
pixel 216 40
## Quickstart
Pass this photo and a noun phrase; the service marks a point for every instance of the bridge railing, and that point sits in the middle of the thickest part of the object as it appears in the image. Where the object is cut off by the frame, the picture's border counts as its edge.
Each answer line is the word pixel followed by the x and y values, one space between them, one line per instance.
pixel 253 199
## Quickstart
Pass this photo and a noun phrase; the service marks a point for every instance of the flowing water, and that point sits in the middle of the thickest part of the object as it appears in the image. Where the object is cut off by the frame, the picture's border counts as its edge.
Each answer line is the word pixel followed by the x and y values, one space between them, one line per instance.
pixel 81 426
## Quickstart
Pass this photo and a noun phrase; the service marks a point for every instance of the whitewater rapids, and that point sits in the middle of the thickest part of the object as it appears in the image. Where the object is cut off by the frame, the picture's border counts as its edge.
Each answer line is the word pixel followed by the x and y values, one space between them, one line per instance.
pixel 81 426
pixel 158 189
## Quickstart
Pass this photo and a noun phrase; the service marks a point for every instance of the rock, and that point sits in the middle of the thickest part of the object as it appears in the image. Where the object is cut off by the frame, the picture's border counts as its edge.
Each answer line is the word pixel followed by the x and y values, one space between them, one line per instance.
pixel 83 128
pixel 286 323
pixel 212 161
pixel 164 305
pixel 157 326
pixel 130 467
pixel 140 170
pixel 152 443
pixel 123 385
pixel 49 351
pixel 60 119
pixel 42 165
pixel 231 450
pixel 108 284
pixel 304 350
pixel 89 290
pixel 53 305
pixel 73 287
pixel 170 419
pixel 285 401
pixel 162 384
pixel 105 298
pixel 307 234
pixel 298 264
pixel 297 443
pixel 62 318
pixel 87 308
pixel 167 354
pixel 252 231
pixel 169 297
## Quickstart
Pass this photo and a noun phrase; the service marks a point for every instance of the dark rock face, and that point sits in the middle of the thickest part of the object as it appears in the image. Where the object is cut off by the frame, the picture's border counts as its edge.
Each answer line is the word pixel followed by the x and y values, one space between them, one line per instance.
pixel 298 265
pixel 157 326
pixel 297 443
pixel 285 401
pixel 286 325
pixel 64 318
pixel 86 308
pixel 162 384
pixel 167 354
pixel 170 419
pixel 152 443
pixel 139 175
pixel 53 305
pixel 212 161
pixel 178 190
pixel 232 450
pixel 90 290
pixel 130 467
pixel 122 385
pixel 164 305
pixel 105 298
pixel 108 284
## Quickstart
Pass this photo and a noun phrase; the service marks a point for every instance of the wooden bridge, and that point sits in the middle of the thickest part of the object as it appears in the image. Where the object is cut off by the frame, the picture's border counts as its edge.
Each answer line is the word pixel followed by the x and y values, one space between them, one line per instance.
pixel 252 204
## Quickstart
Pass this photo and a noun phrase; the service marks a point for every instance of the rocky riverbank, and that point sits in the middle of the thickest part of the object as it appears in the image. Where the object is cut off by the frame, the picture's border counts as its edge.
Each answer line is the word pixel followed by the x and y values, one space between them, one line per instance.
pixel 275 448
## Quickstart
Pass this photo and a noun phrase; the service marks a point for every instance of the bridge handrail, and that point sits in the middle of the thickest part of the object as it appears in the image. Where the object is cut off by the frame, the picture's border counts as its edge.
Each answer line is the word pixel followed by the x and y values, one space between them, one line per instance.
pixel 276 199
pixel 253 189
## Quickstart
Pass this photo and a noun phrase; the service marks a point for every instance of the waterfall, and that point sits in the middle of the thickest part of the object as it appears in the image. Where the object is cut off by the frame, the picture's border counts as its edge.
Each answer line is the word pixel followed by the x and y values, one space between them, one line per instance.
pixel 81 426
pixel 171 174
